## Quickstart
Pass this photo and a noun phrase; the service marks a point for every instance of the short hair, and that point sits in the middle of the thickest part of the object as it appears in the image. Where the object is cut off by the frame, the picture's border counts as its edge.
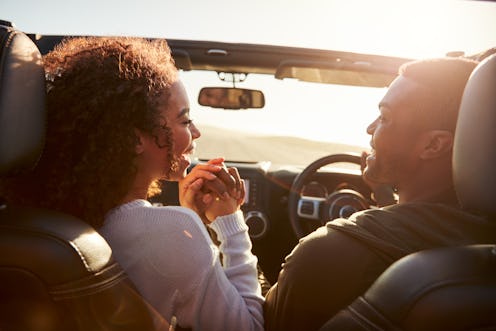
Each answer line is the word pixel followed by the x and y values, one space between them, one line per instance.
pixel 99 91
pixel 484 54
pixel 444 80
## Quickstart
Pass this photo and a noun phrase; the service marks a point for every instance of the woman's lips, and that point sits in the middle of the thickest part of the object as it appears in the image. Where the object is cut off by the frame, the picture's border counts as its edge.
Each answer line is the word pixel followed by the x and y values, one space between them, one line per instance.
pixel 188 153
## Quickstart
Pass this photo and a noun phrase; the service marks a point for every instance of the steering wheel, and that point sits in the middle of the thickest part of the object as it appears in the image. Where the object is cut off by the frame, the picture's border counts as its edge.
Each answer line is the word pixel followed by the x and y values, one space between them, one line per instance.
pixel 341 203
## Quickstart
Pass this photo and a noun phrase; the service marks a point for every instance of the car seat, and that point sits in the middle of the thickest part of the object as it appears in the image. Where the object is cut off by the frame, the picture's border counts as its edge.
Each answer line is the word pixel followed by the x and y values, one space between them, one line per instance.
pixel 446 288
pixel 56 272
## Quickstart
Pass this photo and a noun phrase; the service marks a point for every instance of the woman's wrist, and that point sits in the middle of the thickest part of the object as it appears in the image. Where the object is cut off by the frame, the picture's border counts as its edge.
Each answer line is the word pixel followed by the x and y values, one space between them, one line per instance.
pixel 230 224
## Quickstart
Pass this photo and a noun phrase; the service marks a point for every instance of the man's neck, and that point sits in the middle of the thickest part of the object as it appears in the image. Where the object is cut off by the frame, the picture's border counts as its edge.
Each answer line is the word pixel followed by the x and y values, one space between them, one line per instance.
pixel 432 183
pixel 445 194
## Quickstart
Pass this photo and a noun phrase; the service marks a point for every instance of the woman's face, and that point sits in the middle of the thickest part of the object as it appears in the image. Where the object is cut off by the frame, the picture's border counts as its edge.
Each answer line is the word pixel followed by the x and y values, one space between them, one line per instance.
pixel 183 130
pixel 153 156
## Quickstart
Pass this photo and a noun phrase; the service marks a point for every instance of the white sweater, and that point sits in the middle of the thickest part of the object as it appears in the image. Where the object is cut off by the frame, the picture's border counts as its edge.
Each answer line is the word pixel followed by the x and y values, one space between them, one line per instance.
pixel 168 254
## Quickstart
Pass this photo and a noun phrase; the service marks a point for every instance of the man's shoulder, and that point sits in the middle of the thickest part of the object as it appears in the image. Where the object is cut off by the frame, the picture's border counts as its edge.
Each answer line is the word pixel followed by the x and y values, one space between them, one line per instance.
pixel 405 228
pixel 406 219
pixel 411 212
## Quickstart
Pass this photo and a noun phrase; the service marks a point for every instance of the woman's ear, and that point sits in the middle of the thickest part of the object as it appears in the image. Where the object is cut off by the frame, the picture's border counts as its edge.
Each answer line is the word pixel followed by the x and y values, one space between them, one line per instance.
pixel 437 143
pixel 140 142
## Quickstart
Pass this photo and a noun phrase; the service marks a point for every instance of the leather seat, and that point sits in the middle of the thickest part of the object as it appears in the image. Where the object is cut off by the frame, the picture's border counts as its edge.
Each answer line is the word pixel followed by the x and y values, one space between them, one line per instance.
pixel 447 288
pixel 56 272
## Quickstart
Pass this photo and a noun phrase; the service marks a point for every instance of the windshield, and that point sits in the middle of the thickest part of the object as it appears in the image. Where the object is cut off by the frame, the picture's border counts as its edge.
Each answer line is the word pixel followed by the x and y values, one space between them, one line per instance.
pixel 308 120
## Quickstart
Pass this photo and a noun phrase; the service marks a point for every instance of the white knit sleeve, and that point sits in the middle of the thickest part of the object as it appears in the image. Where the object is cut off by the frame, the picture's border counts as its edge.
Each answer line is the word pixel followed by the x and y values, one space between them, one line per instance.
pixel 237 305
pixel 169 255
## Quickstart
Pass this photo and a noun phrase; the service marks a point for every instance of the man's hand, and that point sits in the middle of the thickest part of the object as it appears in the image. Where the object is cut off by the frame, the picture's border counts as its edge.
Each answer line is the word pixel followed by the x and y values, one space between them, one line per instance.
pixel 227 204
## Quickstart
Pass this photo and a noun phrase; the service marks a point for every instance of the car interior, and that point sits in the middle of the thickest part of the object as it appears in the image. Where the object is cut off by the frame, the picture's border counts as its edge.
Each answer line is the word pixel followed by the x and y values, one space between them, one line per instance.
pixel 57 272
pixel 283 203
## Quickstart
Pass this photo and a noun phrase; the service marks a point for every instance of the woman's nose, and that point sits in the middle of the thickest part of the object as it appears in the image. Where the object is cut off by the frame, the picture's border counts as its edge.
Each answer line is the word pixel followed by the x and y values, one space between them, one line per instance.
pixel 195 132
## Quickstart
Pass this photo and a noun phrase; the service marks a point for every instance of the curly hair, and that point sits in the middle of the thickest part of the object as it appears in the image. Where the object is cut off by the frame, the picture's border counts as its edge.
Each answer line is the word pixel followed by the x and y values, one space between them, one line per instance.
pixel 99 91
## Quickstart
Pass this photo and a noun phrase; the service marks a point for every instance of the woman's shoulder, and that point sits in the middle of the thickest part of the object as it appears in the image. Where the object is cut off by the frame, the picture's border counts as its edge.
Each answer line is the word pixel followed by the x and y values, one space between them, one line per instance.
pixel 144 209
pixel 184 212
pixel 141 216
pixel 175 215
pixel 166 245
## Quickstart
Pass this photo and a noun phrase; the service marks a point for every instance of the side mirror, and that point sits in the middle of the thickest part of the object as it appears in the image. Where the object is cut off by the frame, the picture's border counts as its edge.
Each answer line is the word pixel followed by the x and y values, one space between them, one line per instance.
pixel 231 98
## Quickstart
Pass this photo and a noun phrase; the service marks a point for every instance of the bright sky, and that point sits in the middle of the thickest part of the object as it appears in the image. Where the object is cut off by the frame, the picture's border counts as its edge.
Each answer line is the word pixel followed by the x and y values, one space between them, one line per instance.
pixel 397 27
pixel 421 28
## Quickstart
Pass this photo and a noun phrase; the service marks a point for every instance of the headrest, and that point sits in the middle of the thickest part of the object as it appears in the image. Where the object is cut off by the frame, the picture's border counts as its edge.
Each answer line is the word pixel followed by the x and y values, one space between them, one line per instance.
pixel 22 101
pixel 474 155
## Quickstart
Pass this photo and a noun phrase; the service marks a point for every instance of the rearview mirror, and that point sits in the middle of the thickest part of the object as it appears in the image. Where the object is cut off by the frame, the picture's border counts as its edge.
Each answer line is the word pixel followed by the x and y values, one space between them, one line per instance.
pixel 231 98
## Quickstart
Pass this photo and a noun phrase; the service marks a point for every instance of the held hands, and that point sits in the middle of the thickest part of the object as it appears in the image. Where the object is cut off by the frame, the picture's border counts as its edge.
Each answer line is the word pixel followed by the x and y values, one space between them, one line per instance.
pixel 212 190
pixel 383 194
pixel 230 201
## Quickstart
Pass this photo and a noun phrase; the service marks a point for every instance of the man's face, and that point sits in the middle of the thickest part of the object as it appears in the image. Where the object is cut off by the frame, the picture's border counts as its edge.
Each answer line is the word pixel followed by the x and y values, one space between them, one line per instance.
pixel 394 134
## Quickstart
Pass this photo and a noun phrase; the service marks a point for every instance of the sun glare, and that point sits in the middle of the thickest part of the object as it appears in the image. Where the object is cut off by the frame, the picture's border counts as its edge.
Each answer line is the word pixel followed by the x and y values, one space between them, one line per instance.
pixel 402 28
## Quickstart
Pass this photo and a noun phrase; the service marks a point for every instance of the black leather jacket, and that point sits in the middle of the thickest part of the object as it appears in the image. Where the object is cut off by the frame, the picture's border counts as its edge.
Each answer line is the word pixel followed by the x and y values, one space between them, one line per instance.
pixel 332 266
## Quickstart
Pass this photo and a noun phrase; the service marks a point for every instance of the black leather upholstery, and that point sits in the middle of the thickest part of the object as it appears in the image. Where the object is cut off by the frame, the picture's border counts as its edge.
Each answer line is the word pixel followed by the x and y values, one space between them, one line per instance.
pixel 441 289
pixel 22 93
pixel 446 288
pixel 475 153
pixel 56 272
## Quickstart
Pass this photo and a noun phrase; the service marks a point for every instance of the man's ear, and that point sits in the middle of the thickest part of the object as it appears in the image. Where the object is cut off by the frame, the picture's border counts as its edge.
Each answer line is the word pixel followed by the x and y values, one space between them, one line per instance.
pixel 436 143
pixel 139 148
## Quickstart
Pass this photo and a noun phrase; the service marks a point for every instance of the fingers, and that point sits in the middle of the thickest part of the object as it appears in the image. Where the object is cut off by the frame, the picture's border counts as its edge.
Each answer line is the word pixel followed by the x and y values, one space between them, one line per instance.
pixel 224 194
pixel 216 186
pixel 207 175
pixel 187 196
pixel 207 199
pixel 227 179
pixel 235 175
pixel 242 193
pixel 224 174
pixel 238 192
pixel 221 206
pixel 218 180
pixel 217 161
pixel 213 168
pixel 204 171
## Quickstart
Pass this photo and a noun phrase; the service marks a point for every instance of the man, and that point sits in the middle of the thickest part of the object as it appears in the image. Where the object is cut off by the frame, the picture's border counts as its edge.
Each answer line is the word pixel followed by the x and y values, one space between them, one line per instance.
pixel 412 141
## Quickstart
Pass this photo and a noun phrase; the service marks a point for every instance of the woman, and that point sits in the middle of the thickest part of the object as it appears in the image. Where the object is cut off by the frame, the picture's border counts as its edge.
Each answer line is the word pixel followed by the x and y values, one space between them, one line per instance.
pixel 118 121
